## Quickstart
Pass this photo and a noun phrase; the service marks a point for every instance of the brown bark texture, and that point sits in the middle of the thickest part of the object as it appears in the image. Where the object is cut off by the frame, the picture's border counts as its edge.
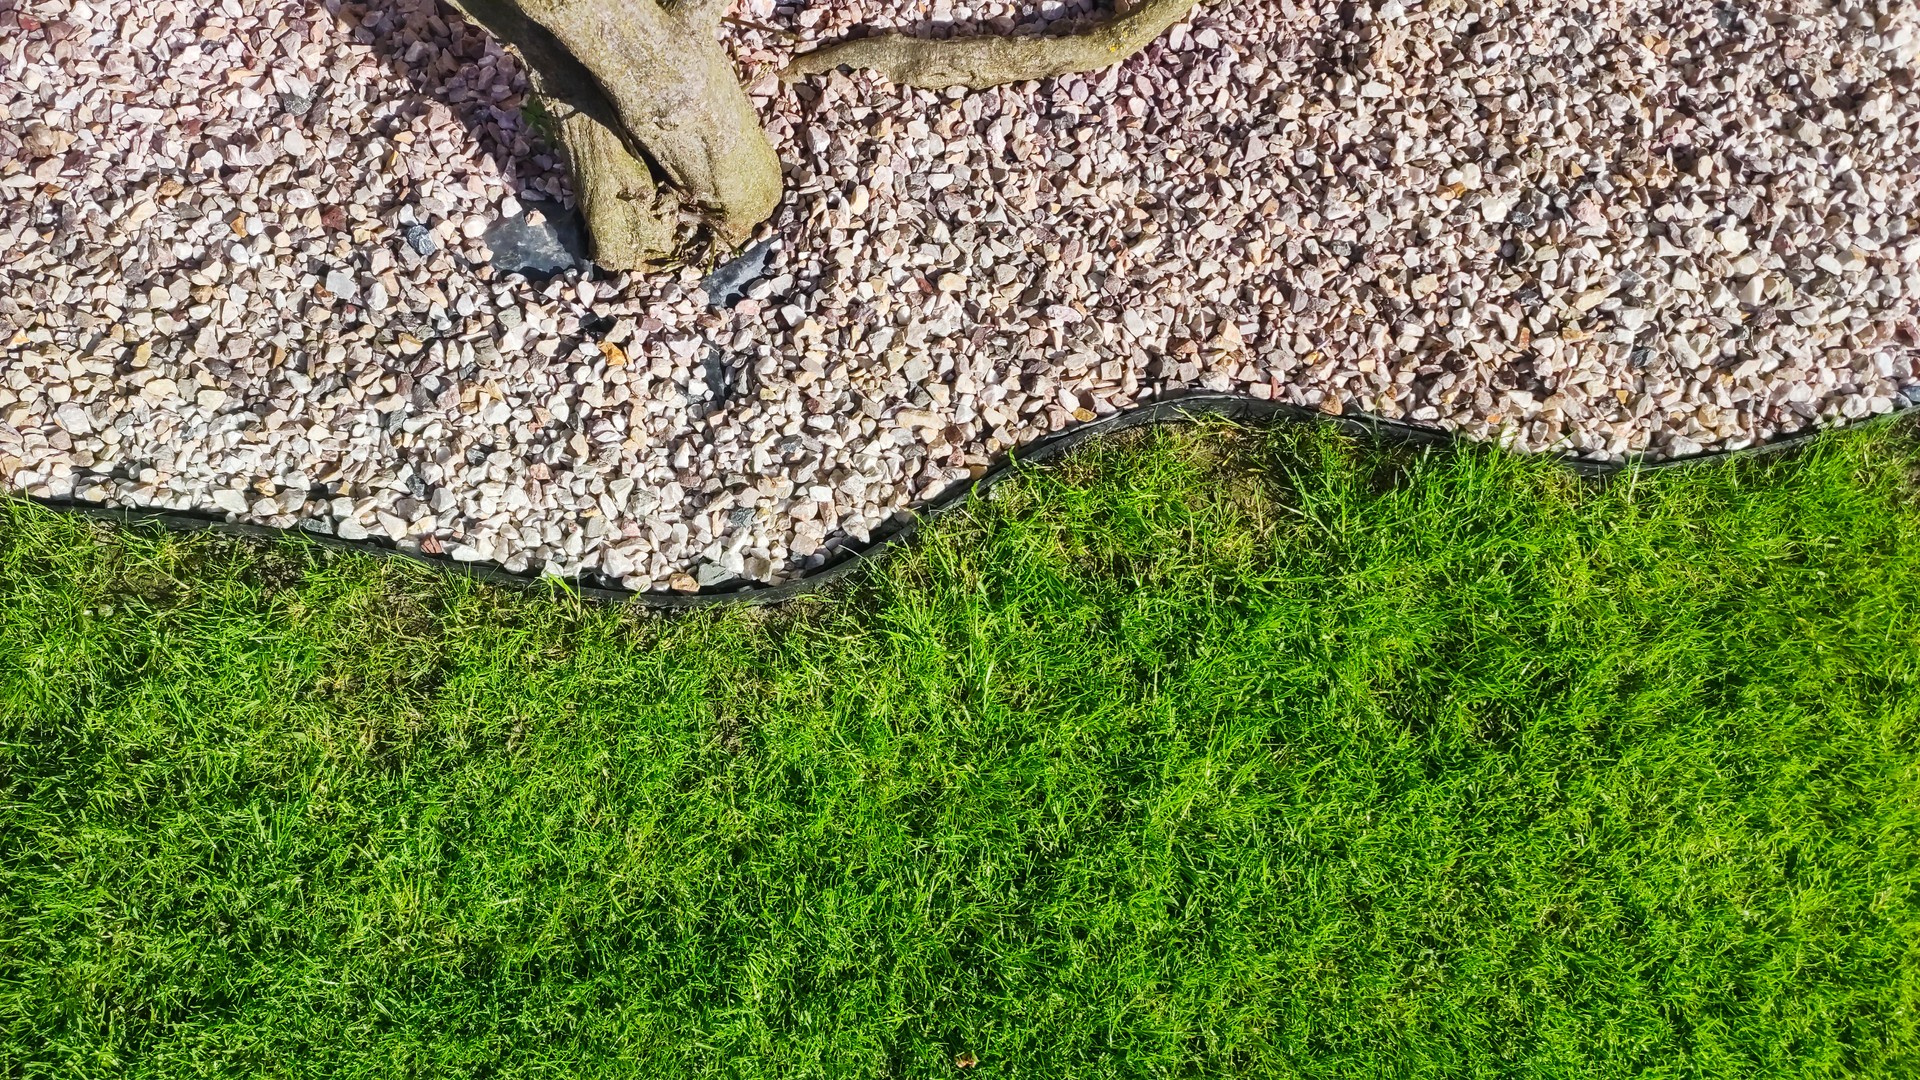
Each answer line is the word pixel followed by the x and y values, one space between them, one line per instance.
pixel 653 119
pixel 978 62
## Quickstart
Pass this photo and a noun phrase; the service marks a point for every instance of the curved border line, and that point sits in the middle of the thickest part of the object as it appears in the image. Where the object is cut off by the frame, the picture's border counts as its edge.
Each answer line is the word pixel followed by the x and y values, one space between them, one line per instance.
pixel 901 527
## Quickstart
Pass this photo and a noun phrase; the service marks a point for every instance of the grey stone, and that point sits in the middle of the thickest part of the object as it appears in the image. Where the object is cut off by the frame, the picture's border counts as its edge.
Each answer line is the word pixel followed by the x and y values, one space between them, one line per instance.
pixel 727 284
pixel 420 239
pixel 553 244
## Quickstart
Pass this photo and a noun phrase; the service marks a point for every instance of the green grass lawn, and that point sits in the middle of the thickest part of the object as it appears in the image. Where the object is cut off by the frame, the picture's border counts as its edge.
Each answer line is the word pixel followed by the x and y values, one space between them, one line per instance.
pixel 1209 753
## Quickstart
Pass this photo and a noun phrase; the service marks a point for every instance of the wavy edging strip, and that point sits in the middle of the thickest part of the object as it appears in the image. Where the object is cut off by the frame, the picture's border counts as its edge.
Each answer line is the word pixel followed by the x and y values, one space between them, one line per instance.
pixel 900 528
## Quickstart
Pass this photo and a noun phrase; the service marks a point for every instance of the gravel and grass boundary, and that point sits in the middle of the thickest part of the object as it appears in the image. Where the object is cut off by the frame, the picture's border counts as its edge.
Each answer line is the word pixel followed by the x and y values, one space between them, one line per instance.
pixel 255 261
pixel 1207 752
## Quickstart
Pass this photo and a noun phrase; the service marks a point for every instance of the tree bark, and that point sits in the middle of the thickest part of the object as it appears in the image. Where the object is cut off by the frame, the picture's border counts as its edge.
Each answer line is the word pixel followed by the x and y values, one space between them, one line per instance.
pixel 676 94
pixel 648 99
pixel 653 118
pixel 632 219
pixel 991 60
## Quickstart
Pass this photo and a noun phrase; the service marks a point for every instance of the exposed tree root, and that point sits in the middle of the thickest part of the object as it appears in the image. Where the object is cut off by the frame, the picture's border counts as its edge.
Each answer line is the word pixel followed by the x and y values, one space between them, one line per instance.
pixel 634 221
pixel 674 91
pixel 992 60
pixel 653 119
pixel 650 114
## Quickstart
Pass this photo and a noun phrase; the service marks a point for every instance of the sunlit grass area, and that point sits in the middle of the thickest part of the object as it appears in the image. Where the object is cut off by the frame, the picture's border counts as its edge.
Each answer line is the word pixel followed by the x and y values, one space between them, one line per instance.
pixel 1212 752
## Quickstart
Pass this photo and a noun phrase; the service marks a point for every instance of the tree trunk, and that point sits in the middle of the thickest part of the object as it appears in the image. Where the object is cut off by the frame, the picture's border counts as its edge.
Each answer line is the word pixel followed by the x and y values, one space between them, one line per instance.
pixel 633 220
pixel 675 92
pixel 650 98
pixel 653 118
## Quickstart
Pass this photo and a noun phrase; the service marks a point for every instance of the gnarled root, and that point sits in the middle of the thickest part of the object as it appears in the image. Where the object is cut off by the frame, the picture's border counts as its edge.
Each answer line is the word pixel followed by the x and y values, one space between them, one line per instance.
pixel 674 92
pixel 633 220
pixel 992 60
pixel 650 114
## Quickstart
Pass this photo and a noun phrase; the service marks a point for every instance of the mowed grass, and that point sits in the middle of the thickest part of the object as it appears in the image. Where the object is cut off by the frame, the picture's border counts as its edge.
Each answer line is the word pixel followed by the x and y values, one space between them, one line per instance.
pixel 1210 753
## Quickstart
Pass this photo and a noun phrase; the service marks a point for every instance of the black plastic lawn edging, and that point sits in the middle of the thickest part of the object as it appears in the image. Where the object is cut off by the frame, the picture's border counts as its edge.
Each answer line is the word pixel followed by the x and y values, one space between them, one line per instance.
pixel 902 526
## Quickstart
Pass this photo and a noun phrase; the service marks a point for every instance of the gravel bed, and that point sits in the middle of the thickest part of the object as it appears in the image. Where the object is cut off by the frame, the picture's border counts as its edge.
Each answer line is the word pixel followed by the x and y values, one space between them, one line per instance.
pixel 244 262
